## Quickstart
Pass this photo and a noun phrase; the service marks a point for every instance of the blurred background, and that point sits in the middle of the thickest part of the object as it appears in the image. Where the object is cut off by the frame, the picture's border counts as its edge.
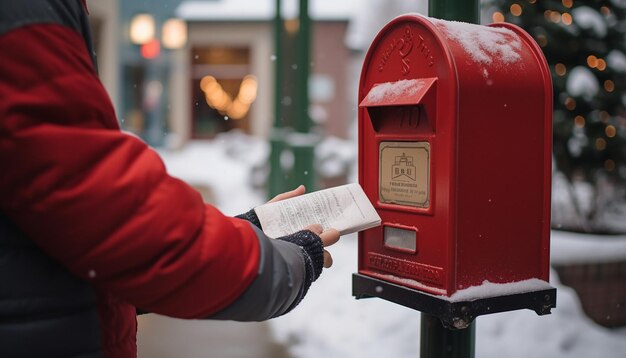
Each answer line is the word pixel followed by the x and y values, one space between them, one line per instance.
pixel 244 101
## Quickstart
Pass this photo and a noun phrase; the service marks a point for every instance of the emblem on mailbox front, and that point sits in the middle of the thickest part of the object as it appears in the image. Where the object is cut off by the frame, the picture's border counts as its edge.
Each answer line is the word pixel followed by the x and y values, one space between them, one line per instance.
pixel 403 169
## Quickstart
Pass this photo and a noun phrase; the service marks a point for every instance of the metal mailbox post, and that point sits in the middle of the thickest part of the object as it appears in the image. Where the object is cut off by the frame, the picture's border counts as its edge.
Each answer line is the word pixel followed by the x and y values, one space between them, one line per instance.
pixel 455 133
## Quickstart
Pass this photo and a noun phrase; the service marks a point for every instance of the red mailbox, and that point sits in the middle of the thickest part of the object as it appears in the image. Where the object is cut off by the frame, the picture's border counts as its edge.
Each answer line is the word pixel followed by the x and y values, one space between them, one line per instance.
pixel 455 133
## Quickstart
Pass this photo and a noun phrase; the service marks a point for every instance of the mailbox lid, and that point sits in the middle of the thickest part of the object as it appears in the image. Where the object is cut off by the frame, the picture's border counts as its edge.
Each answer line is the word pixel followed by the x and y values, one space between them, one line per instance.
pixel 406 92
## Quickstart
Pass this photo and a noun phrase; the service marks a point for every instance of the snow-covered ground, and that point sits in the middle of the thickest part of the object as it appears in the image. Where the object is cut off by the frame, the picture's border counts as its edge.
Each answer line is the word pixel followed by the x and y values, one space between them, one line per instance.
pixel 331 323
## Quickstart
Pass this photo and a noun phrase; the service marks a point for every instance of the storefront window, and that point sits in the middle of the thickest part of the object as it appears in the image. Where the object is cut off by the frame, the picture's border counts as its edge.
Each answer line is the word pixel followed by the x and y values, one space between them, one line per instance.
pixel 222 90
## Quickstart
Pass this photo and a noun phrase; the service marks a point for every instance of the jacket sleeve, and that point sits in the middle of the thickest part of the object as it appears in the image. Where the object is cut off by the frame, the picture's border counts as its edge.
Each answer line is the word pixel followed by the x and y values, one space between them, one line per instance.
pixel 100 201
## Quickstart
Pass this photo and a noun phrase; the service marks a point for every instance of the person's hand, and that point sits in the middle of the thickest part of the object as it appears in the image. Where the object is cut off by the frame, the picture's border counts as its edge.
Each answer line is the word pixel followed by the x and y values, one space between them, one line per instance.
pixel 251 214
pixel 289 194
pixel 328 237
pixel 312 241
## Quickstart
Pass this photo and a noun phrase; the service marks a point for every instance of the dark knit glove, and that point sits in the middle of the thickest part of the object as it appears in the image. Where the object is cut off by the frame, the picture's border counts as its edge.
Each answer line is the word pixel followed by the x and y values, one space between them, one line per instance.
pixel 251 217
pixel 313 252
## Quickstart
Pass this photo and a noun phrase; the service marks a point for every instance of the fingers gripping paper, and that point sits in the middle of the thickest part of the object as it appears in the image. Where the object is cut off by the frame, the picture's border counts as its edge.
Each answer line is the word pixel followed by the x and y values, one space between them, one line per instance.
pixel 345 208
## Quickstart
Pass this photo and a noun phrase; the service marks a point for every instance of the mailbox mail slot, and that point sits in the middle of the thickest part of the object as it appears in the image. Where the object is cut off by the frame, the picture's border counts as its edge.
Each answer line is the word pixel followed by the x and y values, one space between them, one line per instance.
pixel 455 153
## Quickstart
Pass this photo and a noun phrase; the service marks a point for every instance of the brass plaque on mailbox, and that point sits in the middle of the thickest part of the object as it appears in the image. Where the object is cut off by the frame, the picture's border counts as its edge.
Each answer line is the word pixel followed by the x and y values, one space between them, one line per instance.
pixel 404 173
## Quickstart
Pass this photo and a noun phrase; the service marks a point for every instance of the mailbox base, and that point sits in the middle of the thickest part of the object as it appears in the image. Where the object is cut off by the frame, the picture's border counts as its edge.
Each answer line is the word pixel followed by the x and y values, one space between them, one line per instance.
pixel 453 315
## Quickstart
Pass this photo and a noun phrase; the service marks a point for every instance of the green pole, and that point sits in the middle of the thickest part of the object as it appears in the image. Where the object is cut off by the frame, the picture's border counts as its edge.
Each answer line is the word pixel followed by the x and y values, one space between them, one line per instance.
pixel 301 101
pixel 457 10
pixel 292 149
pixel 302 142
pixel 276 180
pixel 436 340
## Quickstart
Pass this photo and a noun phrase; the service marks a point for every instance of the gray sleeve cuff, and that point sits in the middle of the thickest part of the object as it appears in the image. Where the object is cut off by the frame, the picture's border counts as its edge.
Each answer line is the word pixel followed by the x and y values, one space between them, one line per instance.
pixel 277 287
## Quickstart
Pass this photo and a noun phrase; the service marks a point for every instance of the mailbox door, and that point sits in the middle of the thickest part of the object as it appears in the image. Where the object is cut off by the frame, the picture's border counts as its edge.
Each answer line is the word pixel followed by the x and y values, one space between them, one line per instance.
pixel 407 115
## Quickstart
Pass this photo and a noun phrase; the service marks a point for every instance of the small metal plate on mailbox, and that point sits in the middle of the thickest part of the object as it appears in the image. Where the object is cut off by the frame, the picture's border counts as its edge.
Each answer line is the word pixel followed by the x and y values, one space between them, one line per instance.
pixel 404 173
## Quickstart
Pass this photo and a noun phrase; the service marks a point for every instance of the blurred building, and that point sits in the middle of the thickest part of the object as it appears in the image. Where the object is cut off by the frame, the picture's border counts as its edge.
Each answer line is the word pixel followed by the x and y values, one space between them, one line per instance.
pixel 226 71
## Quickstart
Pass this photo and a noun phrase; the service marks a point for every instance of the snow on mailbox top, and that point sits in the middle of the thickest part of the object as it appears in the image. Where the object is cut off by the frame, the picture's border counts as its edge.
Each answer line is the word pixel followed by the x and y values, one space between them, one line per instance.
pixel 483 43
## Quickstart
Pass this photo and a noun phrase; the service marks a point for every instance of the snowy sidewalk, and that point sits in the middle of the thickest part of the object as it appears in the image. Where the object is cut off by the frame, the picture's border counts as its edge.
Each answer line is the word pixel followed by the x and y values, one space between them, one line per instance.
pixel 164 337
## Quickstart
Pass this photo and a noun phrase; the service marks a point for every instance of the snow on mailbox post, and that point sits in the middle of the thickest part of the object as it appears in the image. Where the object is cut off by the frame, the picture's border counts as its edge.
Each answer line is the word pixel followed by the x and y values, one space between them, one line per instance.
pixel 455 131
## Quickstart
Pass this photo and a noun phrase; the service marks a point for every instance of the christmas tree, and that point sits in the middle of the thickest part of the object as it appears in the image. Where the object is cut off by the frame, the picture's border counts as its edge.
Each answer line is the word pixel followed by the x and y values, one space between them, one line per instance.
pixel 585 45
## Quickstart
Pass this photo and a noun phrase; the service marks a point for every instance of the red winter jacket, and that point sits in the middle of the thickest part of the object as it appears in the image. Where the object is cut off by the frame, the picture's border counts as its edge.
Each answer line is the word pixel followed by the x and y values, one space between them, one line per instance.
pixel 100 202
